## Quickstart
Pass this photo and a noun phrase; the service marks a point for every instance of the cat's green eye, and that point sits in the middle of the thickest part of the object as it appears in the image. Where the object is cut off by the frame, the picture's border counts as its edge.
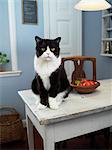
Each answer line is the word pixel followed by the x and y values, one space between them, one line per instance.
pixel 52 49
pixel 43 49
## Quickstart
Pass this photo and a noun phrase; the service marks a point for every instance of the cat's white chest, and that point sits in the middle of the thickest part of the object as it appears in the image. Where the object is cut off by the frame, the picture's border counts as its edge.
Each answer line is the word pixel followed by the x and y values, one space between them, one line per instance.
pixel 46 82
pixel 44 72
pixel 45 69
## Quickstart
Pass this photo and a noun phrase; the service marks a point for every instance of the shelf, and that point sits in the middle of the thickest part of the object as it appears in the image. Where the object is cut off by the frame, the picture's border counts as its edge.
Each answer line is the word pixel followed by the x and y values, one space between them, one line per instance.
pixel 106 33
pixel 109 55
pixel 107 39
pixel 109 29
pixel 107 15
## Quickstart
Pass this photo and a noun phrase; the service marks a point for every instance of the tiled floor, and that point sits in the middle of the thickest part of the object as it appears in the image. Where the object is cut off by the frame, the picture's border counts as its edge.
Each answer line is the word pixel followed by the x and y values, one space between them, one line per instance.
pixel 79 143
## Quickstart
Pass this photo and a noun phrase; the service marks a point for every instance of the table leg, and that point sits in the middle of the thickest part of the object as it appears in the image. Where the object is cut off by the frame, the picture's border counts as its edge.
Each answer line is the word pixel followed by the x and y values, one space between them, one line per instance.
pixel 49 143
pixel 30 133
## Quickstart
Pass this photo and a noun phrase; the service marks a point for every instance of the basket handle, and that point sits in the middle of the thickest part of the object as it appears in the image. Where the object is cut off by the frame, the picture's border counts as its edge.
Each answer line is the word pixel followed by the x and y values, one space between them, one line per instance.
pixel 8 108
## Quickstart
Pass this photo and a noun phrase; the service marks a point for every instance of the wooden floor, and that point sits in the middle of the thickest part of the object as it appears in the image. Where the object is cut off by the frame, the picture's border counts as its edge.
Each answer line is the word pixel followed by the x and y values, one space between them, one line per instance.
pixel 80 143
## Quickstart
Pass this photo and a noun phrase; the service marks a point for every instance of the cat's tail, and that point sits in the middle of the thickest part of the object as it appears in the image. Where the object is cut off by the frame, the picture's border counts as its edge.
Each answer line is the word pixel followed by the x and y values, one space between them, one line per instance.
pixel 68 91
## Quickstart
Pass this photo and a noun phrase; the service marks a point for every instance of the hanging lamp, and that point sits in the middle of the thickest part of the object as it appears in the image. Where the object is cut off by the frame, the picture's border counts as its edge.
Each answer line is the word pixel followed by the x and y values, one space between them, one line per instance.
pixel 92 5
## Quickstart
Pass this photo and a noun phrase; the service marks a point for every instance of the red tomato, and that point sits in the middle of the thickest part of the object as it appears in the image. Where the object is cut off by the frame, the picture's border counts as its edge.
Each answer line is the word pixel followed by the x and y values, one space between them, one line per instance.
pixel 83 80
pixel 80 84
pixel 87 83
pixel 84 84
pixel 92 82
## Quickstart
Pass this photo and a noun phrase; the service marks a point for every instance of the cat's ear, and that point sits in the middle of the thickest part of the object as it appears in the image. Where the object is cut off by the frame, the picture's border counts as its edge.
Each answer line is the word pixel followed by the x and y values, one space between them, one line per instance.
pixel 58 40
pixel 37 39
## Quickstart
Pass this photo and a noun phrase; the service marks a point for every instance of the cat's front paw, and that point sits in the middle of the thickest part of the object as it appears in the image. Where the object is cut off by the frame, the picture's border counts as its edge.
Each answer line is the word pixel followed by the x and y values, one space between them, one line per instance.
pixel 41 107
pixel 53 103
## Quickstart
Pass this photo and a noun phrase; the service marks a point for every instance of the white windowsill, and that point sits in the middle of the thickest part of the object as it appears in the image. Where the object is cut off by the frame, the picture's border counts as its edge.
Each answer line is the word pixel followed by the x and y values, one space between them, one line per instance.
pixel 10 73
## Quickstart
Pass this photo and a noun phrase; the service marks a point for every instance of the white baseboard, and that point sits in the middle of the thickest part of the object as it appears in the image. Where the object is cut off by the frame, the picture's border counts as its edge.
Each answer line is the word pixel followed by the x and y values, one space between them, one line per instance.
pixel 24 123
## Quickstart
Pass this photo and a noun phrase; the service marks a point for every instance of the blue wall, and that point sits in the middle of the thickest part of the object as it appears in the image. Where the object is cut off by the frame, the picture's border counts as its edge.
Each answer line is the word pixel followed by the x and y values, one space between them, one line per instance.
pixel 92 43
pixel 26 50
pixel 4 31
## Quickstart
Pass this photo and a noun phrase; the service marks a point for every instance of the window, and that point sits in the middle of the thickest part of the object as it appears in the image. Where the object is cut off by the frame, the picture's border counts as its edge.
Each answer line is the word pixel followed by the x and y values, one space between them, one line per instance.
pixel 13 45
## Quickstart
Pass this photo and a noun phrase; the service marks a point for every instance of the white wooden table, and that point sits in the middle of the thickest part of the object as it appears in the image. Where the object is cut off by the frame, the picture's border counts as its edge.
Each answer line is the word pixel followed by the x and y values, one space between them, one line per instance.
pixel 79 115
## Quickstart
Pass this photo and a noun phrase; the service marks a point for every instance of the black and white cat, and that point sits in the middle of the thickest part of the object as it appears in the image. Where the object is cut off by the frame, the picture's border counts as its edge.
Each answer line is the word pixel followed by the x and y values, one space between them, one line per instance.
pixel 50 82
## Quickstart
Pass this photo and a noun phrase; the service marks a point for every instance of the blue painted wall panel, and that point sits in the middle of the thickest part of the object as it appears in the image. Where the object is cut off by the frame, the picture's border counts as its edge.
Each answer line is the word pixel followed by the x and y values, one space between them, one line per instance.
pixel 92 43
pixel 4 31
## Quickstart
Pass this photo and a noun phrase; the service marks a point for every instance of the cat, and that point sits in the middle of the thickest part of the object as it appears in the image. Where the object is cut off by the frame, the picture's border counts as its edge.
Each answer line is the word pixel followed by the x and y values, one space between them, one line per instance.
pixel 50 82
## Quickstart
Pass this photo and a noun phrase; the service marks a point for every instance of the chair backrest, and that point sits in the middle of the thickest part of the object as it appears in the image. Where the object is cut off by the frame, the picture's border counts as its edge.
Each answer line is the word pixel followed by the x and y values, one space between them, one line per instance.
pixel 78 62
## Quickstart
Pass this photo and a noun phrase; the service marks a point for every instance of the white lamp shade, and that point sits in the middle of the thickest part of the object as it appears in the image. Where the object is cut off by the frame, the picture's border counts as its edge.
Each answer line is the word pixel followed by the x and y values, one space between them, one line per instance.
pixel 92 5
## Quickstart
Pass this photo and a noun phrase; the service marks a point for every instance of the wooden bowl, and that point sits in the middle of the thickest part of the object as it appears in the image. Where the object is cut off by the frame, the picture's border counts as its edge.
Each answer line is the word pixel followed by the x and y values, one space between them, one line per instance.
pixel 85 89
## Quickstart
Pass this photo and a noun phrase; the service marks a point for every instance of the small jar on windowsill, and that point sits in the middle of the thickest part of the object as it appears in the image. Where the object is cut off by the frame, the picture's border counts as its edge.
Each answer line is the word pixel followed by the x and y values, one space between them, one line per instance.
pixel 3 61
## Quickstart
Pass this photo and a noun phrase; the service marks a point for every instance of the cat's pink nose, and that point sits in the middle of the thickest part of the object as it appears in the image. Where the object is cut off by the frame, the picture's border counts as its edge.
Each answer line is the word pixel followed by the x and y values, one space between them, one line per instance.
pixel 48 53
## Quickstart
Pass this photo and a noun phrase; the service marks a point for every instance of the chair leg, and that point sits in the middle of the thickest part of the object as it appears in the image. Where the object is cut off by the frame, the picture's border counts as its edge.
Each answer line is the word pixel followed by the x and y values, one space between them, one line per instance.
pixel 64 144
pixel 92 141
pixel 58 146
pixel 107 137
pixel 91 136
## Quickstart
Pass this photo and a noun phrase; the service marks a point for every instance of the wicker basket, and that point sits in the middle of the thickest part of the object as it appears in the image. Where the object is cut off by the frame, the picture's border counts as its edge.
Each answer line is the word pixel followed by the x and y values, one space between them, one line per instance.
pixel 11 127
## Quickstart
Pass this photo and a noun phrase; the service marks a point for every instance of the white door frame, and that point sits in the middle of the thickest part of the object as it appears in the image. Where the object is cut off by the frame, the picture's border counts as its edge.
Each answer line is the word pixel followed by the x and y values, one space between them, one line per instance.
pixel 46 18
pixel 46 13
